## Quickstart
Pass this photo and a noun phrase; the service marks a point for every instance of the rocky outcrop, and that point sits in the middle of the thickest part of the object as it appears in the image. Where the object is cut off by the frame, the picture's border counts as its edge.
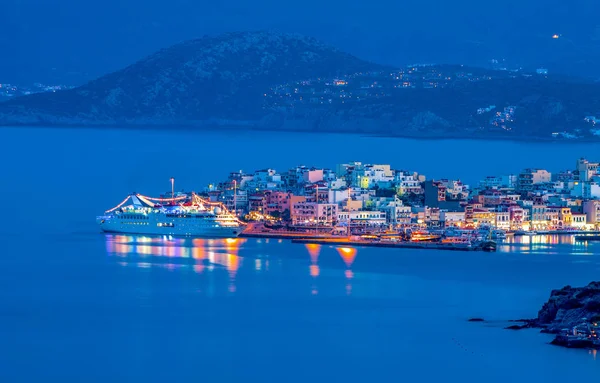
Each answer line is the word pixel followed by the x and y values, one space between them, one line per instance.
pixel 569 307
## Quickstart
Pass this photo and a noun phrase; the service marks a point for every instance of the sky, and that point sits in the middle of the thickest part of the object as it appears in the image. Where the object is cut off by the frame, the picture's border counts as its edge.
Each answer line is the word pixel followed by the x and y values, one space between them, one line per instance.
pixel 73 41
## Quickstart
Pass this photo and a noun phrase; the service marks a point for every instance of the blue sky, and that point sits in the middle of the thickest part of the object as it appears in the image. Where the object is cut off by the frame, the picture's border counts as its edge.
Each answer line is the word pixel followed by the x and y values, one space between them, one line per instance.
pixel 76 40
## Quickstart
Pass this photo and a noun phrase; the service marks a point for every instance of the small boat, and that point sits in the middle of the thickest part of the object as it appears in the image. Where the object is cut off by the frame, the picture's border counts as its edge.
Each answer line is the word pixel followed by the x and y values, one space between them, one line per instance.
pixel 489 246
pixel 419 236
pixel 525 232
pixel 498 234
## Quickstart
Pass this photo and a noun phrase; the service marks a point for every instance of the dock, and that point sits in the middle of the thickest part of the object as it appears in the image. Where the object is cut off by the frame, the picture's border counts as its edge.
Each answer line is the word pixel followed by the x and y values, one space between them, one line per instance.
pixel 281 235
pixel 483 246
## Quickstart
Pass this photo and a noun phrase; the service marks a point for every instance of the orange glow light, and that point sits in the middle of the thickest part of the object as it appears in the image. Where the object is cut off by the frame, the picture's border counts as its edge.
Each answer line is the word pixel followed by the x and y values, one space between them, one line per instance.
pixel 348 254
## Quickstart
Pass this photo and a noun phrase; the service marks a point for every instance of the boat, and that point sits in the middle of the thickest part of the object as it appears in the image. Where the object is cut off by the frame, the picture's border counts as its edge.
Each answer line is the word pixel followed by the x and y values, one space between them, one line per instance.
pixel 423 236
pixel 498 234
pixel 489 246
pixel 181 215
pixel 525 232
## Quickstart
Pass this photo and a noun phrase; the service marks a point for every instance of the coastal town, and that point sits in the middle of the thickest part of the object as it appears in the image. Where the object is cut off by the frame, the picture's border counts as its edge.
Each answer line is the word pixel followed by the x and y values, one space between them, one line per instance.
pixel 362 199
pixel 9 91
pixel 358 90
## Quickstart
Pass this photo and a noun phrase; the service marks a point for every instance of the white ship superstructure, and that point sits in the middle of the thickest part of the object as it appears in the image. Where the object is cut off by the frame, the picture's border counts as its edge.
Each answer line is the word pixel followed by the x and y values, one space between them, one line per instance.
pixel 181 215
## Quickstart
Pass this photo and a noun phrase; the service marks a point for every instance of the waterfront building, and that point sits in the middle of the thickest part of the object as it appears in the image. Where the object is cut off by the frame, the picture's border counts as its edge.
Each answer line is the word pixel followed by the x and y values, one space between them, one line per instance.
pixel 518 217
pixel 538 217
pixel 483 217
pixel 397 214
pixel 579 221
pixel 311 213
pixel 368 193
pixel 277 202
pixel 592 211
pixel 452 218
pixel 257 202
pixel 362 219
pixel 502 220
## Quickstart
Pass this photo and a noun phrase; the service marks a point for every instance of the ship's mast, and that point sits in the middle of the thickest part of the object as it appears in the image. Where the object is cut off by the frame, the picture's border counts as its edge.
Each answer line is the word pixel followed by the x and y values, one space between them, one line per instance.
pixel 235 198
pixel 173 188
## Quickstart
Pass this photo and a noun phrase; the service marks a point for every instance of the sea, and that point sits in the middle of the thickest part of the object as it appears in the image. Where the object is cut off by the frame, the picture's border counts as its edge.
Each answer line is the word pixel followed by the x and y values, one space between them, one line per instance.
pixel 77 305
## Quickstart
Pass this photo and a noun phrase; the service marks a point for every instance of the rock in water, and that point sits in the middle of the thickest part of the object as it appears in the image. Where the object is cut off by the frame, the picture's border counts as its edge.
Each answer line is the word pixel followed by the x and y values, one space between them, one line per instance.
pixel 569 307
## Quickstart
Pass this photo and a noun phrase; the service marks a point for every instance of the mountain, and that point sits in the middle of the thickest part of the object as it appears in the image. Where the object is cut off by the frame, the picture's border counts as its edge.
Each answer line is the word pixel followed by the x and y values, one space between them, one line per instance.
pixel 221 77
pixel 274 81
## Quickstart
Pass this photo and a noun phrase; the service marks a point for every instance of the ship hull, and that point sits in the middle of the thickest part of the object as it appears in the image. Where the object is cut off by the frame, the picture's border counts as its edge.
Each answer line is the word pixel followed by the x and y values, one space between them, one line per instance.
pixel 180 227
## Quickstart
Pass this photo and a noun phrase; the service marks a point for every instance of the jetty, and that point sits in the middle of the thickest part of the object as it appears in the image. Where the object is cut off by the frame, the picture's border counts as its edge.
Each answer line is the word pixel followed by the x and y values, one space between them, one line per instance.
pixel 488 246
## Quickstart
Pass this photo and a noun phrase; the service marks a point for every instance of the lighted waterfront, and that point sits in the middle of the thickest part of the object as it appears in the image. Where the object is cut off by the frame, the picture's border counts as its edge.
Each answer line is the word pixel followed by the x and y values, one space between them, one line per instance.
pixel 136 308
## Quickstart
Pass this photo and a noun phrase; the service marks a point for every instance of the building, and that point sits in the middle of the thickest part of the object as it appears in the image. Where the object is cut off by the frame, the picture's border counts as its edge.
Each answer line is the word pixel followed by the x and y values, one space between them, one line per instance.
pixel 483 217
pixel 277 202
pixel 565 217
pixel 397 214
pixel 257 202
pixel 311 213
pixel 452 218
pixel 530 177
pixel 312 175
pixel 408 183
pixel 586 190
pixel 518 217
pixel 585 170
pixel 362 219
pixel 579 221
pixel 592 211
pixel 436 193
pixel 539 217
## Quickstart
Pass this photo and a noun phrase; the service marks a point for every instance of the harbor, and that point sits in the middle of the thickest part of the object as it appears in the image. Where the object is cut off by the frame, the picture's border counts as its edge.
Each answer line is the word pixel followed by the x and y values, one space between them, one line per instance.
pixel 488 246
pixel 372 205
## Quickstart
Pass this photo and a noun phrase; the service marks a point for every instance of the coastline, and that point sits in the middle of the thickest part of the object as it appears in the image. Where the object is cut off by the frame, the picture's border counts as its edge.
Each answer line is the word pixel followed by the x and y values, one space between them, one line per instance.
pixel 219 128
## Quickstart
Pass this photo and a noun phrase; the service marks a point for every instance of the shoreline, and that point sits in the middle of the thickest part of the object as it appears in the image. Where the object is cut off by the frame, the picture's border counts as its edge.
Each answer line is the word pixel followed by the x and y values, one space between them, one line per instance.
pixel 220 128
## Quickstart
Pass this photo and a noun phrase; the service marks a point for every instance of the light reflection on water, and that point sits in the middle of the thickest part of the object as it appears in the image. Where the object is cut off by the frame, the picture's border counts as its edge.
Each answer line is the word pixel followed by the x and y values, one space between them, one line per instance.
pixel 546 244
pixel 204 255
pixel 252 256
pixel 220 252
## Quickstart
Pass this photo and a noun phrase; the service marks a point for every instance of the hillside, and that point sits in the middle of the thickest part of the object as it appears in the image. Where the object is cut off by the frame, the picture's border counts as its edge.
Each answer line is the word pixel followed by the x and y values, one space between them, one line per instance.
pixel 265 80
pixel 221 77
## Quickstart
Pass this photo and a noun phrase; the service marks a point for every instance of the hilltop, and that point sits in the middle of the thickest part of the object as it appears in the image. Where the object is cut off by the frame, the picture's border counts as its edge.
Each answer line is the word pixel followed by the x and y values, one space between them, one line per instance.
pixel 274 81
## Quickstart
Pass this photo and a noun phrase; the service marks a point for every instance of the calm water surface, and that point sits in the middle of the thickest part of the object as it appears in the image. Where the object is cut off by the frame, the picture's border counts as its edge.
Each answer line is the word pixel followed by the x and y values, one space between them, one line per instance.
pixel 77 305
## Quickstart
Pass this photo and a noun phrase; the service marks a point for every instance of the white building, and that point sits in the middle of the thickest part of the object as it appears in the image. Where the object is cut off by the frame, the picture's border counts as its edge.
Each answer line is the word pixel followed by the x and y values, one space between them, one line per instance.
pixel 362 218
pixel 452 218
pixel 311 213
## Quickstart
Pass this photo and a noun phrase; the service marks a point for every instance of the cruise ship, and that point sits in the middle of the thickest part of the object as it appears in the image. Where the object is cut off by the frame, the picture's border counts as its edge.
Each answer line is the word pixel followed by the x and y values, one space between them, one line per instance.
pixel 182 215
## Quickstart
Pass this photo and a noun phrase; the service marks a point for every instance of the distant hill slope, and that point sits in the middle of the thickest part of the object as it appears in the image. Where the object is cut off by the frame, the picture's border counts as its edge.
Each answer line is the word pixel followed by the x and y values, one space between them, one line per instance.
pixel 265 80
pixel 221 77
